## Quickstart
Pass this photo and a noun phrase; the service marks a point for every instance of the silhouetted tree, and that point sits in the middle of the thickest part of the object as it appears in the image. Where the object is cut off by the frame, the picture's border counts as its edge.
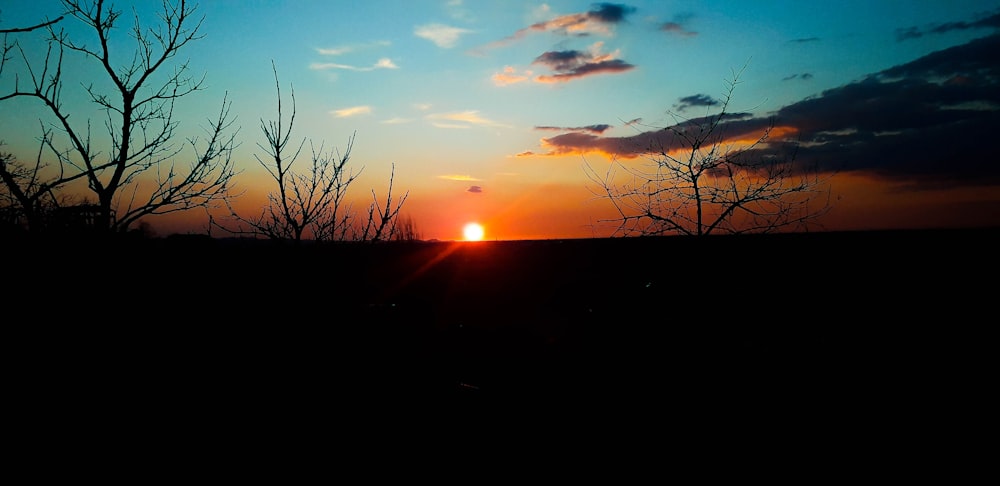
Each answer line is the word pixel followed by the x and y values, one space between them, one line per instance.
pixel 21 195
pixel 406 230
pixel 381 224
pixel 311 203
pixel 697 182
pixel 137 173
pixel 25 199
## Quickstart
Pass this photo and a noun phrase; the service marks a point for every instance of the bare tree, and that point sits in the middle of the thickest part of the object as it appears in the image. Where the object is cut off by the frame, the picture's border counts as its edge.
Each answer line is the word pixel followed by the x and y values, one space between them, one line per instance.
pixel 406 230
pixel 310 204
pixel 24 198
pixel 138 174
pixel 21 194
pixel 381 224
pixel 698 182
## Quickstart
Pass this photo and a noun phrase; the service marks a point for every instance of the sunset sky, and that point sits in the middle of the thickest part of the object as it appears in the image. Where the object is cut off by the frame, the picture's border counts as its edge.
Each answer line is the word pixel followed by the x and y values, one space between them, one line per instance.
pixel 490 110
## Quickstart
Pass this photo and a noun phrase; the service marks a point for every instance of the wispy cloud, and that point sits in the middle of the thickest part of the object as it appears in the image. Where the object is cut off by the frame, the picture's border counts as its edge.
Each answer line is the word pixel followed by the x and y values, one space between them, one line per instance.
pixel 986 21
pixel 397 121
pixel 459 177
pixel 441 35
pixel 475 189
pixel 464 119
pixel 596 21
pixel 678 26
pixel 600 128
pixel 384 63
pixel 510 76
pixel 352 111
pixel 572 64
pixel 341 50
pixel 695 100
pixel 802 76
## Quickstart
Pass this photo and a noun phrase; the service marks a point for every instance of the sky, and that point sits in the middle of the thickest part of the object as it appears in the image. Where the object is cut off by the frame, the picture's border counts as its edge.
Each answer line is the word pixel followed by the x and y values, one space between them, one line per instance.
pixel 489 111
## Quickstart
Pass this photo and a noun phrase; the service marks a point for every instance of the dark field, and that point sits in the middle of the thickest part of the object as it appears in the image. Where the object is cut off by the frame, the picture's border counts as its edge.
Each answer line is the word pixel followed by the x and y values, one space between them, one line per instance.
pixel 814 316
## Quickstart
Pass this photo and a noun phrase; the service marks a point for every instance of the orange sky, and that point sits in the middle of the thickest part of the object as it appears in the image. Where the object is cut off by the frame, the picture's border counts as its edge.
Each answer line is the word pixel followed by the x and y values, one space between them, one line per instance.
pixel 552 211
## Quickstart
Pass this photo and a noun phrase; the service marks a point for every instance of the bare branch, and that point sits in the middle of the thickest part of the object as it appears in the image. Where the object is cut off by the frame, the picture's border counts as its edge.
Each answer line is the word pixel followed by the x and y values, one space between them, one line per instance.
pixel 139 162
pixel 33 27
pixel 699 183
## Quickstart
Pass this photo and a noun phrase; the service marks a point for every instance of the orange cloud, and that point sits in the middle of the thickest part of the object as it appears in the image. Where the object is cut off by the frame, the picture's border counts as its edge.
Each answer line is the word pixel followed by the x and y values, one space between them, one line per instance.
pixel 457 177
pixel 509 76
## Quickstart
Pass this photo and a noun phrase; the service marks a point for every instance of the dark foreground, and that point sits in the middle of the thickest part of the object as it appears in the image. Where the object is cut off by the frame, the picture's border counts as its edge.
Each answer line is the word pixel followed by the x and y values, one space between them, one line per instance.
pixel 823 318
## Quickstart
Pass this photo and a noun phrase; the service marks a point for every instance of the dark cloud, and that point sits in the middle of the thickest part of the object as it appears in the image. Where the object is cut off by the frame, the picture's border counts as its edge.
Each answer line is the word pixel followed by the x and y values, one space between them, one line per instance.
pixel 578 24
pixel 611 66
pixel 574 64
pixel 598 129
pixel 928 123
pixel 676 28
pixel 610 13
pixel 678 25
pixel 562 60
pixel 695 100
pixel 803 76
pixel 475 189
pixel 923 122
pixel 804 40
pixel 908 33
pixel 978 57
pixel 987 21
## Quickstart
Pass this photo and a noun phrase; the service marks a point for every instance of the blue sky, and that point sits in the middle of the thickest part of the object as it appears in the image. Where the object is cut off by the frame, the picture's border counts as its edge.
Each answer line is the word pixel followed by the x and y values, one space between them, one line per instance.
pixel 488 109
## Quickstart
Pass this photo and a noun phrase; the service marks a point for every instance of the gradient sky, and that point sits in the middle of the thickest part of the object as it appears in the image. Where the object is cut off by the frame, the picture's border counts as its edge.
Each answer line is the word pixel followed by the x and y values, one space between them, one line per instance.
pixel 490 109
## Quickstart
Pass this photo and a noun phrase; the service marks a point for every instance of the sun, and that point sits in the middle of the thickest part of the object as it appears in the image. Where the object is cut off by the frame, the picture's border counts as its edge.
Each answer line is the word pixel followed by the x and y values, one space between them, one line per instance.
pixel 473 232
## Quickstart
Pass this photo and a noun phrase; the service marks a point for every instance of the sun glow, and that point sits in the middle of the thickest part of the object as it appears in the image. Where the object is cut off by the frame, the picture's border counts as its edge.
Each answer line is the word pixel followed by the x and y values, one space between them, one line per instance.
pixel 473 232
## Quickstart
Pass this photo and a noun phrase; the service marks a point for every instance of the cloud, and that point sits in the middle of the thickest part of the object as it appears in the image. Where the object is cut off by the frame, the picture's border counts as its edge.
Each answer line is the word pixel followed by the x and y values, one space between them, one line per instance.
pixel 802 76
pixel 384 63
pixel 599 20
pixel 572 64
pixel 475 189
pixel 510 76
pixel 458 177
pixel 986 21
pixel 341 50
pixel 677 26
pixel 922 124
pixel 598 129
pixel 804 40
pixel 696 100
pixel 465 119
pixel 441 35
pixel 396 121
pixel 352 111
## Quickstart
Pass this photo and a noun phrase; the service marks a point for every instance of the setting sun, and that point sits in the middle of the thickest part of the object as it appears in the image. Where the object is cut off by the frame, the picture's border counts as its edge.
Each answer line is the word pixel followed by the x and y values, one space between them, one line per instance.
pixel 473 232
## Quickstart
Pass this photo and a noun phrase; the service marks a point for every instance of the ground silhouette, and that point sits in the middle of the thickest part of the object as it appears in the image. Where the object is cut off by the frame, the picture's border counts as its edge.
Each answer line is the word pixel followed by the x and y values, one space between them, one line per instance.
pixel 726 316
